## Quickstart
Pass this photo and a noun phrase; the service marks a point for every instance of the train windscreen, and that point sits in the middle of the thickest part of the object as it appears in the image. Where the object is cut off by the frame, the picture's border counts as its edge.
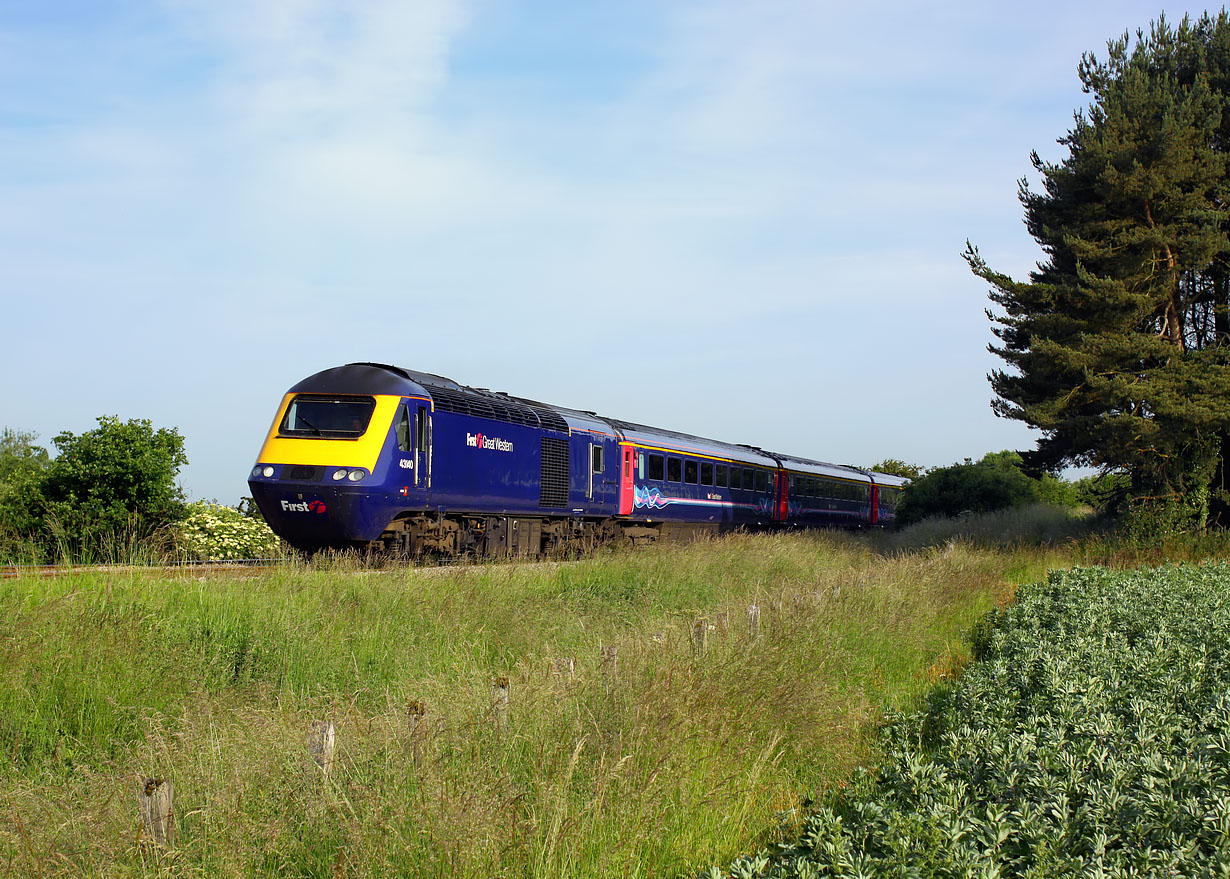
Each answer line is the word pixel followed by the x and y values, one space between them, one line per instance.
pixel 328 417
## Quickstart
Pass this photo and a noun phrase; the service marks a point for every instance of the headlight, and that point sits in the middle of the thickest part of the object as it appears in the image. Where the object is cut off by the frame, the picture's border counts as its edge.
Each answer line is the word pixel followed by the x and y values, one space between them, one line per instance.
pixel 339 475
pixel 267 471
pixel 256 471
pixel 356 475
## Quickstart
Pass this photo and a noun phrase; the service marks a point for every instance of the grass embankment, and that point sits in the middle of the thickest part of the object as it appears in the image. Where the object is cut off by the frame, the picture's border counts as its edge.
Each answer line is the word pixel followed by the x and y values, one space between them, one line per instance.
pixel 680 760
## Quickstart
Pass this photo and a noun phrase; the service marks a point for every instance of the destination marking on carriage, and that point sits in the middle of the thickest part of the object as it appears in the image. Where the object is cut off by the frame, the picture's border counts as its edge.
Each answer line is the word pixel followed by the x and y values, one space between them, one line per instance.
pixel 482 441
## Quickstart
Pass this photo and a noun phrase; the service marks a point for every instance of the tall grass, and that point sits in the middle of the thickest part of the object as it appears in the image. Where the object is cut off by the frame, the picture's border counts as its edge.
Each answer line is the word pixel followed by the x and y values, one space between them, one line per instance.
pixel 680 759
pixel 1028 526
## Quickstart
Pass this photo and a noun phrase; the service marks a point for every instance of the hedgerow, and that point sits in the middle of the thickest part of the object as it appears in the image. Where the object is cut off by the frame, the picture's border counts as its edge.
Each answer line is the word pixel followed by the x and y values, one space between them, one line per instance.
pixel 1091 737
pixel 213 531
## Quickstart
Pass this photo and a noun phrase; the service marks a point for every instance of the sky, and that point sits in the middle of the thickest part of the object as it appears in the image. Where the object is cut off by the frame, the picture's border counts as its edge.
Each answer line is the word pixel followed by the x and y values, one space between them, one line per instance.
pixel 739 220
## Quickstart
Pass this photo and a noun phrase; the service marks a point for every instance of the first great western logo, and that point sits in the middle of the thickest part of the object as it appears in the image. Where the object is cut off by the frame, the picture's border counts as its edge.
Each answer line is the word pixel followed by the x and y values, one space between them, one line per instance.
pixel 482 441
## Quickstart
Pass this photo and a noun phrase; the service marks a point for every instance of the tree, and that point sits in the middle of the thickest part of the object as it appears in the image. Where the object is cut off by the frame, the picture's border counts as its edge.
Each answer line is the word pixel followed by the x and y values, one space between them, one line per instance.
pixel 115 480
pixel 22 464
pixel 1118 347
pixel 897 467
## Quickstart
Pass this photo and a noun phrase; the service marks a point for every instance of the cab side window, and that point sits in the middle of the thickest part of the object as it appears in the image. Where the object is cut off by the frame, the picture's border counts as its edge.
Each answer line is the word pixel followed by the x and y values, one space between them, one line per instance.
pixel 403 431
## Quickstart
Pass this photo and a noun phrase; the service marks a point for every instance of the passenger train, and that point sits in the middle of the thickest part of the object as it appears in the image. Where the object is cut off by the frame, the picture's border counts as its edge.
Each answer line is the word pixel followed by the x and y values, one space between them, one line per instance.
pixel 375 456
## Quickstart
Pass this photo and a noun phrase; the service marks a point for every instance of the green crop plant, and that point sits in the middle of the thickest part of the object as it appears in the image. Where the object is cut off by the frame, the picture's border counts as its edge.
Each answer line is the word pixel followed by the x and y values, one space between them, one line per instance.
pixel 1090 737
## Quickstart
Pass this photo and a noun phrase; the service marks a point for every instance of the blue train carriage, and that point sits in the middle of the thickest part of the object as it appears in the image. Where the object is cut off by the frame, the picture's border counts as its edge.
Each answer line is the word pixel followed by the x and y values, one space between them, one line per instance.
pixel 685 485
pixel 369 454
pixel 821 495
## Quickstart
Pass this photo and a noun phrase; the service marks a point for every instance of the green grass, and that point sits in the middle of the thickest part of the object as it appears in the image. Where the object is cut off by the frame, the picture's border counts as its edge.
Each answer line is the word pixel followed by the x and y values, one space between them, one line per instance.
pixel 679 761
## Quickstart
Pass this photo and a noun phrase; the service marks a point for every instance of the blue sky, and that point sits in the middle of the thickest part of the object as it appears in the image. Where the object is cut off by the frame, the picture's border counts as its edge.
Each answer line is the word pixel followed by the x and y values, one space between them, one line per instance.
pixel 742 220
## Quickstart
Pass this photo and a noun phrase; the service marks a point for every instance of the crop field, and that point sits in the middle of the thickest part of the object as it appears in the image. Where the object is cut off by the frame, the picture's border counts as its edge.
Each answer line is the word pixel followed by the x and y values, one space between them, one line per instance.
pixel 622 715
pixel 1091 737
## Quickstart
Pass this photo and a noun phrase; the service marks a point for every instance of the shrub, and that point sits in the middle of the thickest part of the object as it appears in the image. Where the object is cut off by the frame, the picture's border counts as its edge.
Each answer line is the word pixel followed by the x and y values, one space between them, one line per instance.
pixel 993 483
pixel 213 531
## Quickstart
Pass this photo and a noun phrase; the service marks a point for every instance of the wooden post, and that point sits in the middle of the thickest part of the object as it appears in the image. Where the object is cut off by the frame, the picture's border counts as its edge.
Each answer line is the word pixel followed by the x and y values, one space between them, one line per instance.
pixel 753 621
pixel 499 700
pixel 565 669
pixel 416 722
pixel 155 799
pixel 610 664
pixel 700 633
pixel 321 738
pixel 723 622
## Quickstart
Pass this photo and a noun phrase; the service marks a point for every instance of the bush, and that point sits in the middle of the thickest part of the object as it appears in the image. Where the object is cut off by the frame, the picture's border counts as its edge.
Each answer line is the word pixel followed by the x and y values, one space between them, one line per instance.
pixel 213 531
pixel 994 483
pixel 109 494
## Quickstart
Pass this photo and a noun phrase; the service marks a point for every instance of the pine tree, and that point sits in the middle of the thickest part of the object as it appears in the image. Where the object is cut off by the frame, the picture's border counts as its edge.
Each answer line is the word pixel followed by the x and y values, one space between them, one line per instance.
pixel 1117 346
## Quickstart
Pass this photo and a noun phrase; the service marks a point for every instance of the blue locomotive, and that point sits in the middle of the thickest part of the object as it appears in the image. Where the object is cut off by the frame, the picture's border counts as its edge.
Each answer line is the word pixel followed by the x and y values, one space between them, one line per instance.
pixel 371 455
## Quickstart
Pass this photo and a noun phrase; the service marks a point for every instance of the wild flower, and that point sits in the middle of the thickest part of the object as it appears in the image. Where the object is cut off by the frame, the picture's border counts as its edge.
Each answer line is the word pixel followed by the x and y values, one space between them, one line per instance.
pixel 214 531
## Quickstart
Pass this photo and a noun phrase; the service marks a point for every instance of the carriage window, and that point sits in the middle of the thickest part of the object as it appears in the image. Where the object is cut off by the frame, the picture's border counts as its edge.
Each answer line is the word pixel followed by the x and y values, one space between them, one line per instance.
pixel 706 473
pixel 689 472
pixel 736 478
pixel 596 452
pixel 762 480
pixel 674 470
pixel 749 479
pixel 657 467
pixel 721 475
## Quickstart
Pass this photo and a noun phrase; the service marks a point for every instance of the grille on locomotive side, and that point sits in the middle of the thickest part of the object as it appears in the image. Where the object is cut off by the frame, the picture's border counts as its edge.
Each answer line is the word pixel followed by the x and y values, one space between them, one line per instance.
pixel 554 482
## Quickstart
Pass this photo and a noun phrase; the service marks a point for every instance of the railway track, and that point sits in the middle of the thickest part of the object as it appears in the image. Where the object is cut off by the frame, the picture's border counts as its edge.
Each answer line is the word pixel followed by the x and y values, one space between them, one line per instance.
pixel 204 568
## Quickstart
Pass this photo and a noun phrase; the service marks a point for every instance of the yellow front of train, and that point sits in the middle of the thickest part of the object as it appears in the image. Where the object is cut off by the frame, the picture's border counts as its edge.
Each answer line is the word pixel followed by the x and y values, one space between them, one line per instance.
pixel 330 472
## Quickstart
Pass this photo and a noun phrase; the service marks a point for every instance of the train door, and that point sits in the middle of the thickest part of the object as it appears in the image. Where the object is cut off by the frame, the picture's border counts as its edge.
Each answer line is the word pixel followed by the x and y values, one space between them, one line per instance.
pixel 422 447
pixel 874 514
pixel 783 501
pixel 627 477
pixel 601 475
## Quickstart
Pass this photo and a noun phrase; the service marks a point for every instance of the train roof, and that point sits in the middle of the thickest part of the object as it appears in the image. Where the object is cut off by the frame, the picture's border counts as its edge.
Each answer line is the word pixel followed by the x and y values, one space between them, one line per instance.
pixel 687 443
pixel 823 468
pixel 450 396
